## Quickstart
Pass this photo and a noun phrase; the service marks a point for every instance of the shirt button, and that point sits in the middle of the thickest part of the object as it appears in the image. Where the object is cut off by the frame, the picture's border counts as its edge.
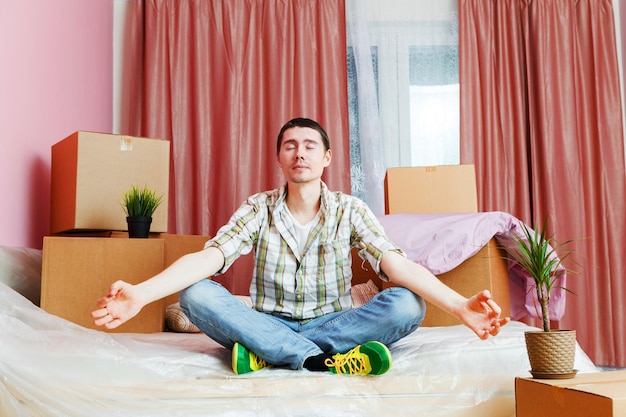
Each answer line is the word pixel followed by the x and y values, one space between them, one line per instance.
pixel 299 297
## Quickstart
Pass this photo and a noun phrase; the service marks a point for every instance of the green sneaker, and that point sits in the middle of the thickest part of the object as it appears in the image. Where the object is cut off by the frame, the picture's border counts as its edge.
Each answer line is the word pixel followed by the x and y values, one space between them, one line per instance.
pixel 371 358
pixel 245 361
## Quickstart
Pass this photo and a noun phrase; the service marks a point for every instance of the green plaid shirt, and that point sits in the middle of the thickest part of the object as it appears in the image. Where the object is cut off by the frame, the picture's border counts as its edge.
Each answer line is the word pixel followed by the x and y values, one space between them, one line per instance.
pixel 318 281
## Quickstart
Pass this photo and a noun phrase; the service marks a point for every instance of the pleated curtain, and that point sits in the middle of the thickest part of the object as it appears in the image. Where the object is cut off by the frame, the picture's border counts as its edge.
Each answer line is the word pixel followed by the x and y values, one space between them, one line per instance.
pixel 218 79
pixel 541 120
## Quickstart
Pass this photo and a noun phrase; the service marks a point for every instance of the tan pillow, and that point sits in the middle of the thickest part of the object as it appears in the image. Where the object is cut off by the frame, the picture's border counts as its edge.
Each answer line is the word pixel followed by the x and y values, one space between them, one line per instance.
pixel 177 321
pixel 361 293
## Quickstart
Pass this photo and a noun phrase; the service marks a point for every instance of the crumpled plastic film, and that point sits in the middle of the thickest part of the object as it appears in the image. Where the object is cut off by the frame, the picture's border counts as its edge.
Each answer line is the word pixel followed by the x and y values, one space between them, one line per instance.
pixel 20 269
pixel 51 367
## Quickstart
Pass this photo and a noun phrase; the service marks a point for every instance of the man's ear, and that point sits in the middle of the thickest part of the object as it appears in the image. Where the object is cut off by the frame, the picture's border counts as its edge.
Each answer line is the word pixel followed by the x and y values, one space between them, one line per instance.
pixel 328 157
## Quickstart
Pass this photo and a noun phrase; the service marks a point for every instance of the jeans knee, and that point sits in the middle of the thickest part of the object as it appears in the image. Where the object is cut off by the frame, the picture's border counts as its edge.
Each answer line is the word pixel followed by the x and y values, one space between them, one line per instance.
pixel 410 306
pixel 187 297
pixel 195 294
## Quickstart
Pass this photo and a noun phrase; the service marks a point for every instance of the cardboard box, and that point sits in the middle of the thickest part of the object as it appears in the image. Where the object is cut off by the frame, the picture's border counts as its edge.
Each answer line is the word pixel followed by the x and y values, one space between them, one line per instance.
pixel 92 171
pixel 487 269
pixel 432 189
pixel 77 271
pixel 177 246
pixel 600 394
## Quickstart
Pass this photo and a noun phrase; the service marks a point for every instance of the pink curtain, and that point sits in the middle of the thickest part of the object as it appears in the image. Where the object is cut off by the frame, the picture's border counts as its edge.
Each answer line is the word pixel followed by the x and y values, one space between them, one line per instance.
pixel 541 119
pixel 219 78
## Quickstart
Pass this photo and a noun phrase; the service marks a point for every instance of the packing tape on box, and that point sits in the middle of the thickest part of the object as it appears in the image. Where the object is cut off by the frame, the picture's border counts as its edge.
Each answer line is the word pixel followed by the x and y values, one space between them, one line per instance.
pixel 126 143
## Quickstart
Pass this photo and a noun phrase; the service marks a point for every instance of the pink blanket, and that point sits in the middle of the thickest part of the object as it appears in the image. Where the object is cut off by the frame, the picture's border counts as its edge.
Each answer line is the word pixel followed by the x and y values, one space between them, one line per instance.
pixel 441 242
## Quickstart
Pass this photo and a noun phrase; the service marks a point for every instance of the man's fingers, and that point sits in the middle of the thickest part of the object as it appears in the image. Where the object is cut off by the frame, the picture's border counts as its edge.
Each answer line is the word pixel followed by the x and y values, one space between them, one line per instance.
pixel 96 314
pixel 102 302
pixel 484 295
pixel 494 306
pixel 105 320
pixel 113 324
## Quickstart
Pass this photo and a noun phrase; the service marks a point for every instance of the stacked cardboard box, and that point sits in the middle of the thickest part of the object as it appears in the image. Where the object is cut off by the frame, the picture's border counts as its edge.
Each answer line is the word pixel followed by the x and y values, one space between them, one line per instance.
pixel 446 189
pixel 77 271
pixel 92 171
pixel 431 189
pixel 90 174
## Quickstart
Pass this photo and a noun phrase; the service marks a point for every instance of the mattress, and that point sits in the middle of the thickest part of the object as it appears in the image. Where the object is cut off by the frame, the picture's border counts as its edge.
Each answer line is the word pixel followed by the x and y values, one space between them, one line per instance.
pixel 52 367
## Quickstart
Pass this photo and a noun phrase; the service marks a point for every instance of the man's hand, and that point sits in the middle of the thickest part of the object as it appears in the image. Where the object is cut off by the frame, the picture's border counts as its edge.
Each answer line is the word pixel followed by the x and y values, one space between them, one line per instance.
pixel 120 305
pixel 481 314
pixel 124 300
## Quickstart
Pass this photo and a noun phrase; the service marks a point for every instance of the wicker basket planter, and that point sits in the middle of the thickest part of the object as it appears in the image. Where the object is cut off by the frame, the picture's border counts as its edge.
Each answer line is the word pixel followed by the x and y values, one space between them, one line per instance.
pixel 551 354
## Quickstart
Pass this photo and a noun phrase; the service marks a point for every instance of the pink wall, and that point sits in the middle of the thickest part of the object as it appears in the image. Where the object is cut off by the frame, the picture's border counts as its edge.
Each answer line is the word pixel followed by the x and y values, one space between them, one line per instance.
pixel 55 78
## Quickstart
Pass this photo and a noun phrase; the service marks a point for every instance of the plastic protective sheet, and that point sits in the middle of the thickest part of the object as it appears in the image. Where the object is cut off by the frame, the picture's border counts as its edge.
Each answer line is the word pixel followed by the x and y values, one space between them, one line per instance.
pixel 20 269
pixel 51 367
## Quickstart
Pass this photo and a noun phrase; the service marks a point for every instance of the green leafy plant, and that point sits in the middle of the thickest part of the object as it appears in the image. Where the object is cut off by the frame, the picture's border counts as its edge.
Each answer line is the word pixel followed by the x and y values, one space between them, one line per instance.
pixel 542 256
pixel 140 202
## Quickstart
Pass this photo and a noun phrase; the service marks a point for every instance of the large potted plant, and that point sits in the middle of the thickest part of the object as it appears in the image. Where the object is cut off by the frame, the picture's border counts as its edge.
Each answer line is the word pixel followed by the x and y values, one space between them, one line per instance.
pixel 139 205
pixel 550 351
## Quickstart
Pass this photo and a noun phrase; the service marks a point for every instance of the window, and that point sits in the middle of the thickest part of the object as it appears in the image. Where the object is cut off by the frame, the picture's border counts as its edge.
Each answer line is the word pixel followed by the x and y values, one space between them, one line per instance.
pixel 413 94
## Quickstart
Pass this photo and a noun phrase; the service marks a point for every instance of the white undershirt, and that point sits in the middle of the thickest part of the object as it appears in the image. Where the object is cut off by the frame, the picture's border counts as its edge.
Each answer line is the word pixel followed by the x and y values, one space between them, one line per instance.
pixel 303 230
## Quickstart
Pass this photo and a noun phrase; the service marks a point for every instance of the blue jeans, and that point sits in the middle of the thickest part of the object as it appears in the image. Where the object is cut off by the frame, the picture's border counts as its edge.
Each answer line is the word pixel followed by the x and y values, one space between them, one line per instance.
pixel 387 317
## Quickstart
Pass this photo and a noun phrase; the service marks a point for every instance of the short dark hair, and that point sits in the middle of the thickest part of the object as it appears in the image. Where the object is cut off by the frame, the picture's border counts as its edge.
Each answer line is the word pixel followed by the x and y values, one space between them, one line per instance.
pixel 303 122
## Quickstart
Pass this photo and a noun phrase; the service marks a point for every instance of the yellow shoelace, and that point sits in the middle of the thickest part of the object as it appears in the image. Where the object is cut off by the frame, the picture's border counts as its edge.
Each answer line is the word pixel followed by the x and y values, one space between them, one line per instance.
pixel 256 362
pixel 353 363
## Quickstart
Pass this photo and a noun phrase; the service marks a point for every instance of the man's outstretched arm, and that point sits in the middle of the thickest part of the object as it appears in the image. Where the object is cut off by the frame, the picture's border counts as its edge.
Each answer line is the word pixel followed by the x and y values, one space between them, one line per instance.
pixel 124 300
pixel 479 312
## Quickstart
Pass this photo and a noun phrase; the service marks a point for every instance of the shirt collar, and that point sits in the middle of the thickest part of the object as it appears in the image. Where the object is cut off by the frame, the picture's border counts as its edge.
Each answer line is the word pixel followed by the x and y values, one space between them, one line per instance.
pixel 324 194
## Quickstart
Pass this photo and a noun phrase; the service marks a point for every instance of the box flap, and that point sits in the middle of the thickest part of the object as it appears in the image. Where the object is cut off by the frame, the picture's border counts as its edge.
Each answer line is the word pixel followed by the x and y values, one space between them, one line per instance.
pixel 587 379
pixel 607 384
pixel 593 394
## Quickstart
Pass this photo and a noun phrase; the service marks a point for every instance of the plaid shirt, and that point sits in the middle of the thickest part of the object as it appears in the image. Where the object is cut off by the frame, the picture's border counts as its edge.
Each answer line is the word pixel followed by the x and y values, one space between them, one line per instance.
pixel 318 281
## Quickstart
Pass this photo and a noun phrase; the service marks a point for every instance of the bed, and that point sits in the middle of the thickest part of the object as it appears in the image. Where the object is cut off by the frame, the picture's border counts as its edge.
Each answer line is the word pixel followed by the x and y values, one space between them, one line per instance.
pixel 50 366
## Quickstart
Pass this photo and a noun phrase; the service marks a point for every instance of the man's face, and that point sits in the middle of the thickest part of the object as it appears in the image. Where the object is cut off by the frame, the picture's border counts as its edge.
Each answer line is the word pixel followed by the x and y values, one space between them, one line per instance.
pixel 302 155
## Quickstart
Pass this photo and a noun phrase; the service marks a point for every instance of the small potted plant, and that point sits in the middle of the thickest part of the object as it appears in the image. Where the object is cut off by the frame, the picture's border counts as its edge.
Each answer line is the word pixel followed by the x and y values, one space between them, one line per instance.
pixel 551 352
pixel 139 206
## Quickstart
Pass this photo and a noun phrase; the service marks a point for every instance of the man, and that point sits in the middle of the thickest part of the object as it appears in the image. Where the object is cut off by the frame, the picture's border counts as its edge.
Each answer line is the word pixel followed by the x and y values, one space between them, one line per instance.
pixel 302 318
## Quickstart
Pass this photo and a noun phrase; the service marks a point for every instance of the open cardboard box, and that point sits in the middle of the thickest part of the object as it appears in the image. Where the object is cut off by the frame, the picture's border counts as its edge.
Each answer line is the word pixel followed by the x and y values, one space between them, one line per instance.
pixel 445 189
pixel 487 270
pixel 600 394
